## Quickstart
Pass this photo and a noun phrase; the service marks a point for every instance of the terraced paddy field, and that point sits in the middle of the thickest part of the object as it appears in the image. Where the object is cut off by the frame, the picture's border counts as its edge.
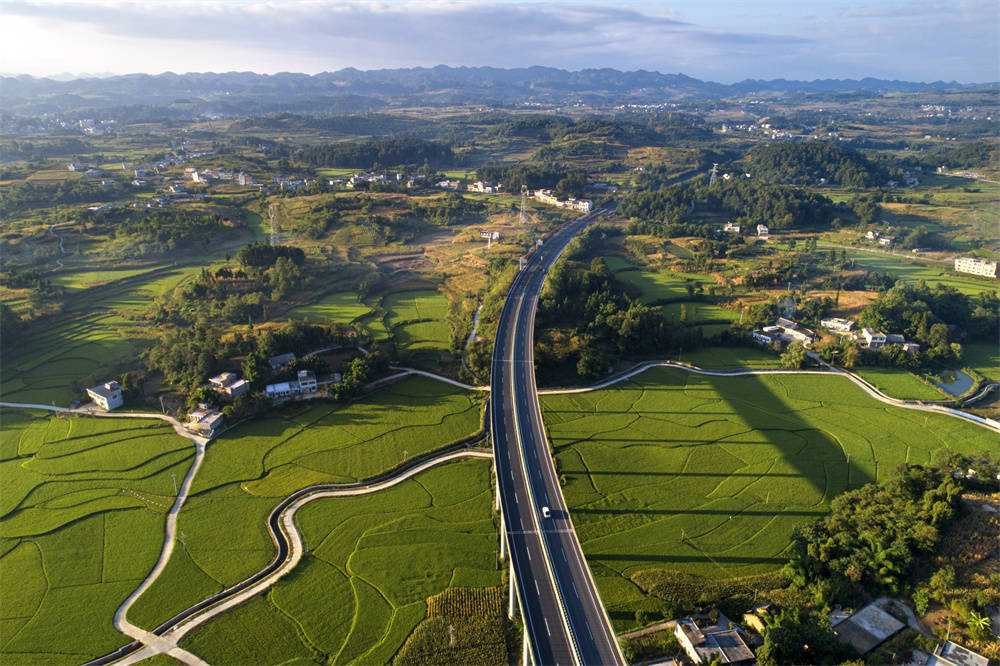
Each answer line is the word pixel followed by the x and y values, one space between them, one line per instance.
pixel 82 510
pixel 250 469
pixel 418 319
pixel 372 562
pixel 341 307
pixel 86 345
pixel 674 477
pixel 918 271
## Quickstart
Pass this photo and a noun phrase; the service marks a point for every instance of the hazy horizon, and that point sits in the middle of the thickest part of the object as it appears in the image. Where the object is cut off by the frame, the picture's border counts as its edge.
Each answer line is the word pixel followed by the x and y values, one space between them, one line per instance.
pixel 722 40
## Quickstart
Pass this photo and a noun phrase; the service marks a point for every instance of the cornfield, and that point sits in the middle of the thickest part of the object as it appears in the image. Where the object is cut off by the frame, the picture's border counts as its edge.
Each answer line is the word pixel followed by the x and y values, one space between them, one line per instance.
pixel 467 602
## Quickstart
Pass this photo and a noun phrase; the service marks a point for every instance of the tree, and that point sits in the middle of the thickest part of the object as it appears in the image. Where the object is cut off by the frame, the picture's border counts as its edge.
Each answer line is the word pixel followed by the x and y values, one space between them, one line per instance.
pixel 255 368
pixel 795 356
pixel 799 637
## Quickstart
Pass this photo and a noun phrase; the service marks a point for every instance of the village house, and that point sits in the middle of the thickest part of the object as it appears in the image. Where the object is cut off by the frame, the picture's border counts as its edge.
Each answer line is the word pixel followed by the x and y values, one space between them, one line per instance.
pixel 307 381
pixel 107 396
pixel 837 324
pixel 448 184
pixel 717 643
pixel 872 338
pixel 731 228
pixel 205 421
pixel 872 236
pixel 866 629
pixel 230 384
pixel 976 266
pixel 282 359
pixel 886 240
pixel 953 654
pixel 490 235
pixel 767 335
pixel 762 232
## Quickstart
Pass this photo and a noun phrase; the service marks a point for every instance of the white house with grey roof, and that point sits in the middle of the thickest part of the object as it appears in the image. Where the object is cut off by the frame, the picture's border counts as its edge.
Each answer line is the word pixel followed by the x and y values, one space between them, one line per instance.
pixel 107 396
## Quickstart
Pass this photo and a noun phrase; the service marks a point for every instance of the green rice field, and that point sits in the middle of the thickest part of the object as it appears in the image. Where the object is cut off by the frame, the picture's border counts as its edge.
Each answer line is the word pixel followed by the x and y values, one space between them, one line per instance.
pixel 898 383
pixel 372 562
pixel 82 510
pixel 418 319
pixel 248 470
pixel 89 343
pixel 707 476
pixel 341 307
pixel 917 271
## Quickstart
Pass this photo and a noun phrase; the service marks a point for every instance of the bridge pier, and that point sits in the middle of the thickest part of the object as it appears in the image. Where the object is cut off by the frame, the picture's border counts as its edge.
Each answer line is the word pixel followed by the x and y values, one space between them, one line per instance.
pixel 511 608
pixel 503 538
pixel 526 659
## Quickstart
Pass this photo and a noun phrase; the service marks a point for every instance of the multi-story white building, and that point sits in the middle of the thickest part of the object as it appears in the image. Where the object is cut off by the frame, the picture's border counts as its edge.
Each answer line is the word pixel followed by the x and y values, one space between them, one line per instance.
pixel 976 266
pixel 107 396
pixel 837 324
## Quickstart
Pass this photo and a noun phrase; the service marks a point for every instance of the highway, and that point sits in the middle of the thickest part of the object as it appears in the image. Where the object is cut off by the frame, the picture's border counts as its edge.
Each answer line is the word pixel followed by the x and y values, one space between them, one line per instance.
pixel 565 620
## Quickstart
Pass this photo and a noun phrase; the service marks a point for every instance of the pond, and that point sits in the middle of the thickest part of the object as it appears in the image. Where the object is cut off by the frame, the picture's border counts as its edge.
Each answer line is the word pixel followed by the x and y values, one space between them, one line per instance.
pixel 955 382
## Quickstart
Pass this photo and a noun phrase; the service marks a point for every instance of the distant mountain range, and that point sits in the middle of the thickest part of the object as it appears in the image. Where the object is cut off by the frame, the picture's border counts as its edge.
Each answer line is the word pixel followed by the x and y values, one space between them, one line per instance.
pixel 351 90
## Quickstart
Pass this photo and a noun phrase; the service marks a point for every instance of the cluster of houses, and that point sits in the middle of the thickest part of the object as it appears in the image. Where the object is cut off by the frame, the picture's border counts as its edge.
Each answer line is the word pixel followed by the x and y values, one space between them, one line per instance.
pixel 219 174
pixel 485 188
pixel 547 197
pixel 763 232
pixel 976 266
pixel 721 641
pixel 868 338
pixel 305 385
pixel 784 330
pixel 877 237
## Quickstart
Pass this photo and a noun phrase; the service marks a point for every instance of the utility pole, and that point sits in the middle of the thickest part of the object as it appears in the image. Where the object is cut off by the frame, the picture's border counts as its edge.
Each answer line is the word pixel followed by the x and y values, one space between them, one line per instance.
pixel 162 408
pixel 174 475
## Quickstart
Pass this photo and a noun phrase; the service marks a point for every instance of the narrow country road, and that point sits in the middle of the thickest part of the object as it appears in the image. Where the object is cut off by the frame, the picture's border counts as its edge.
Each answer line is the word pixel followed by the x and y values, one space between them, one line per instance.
pixel 917 257
pixel 861 382
pixel 289 550
pixel 121 622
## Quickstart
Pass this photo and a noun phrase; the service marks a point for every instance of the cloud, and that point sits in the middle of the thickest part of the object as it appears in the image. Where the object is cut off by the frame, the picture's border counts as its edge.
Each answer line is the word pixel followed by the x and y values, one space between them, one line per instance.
pixel 407 33
pixel 40 36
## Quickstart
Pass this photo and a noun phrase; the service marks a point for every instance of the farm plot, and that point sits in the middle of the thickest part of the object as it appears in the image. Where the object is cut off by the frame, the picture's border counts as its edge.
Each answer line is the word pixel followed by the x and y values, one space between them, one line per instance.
pixel 83 347
pixel 371 564
pixel 707 476
pixel 899 383
pixel 341 307
pixel 660 286
pixel 419 320
pixel 250 469
pixel 921 271
pixel 984 359
pixel 82 509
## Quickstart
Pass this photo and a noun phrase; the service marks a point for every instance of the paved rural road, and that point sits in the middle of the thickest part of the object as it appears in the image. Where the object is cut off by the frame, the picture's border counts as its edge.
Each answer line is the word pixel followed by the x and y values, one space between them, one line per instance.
pixel 865 385
pixel 871 250
pixel 289 549
pixel 564 617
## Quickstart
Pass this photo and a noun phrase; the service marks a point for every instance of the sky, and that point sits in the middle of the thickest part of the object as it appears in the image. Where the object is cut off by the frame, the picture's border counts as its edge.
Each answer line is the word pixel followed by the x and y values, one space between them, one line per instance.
pixel 717 40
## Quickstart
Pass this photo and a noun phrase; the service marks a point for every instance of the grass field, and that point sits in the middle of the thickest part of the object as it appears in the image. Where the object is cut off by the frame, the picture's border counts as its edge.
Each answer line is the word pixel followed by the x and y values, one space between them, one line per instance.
pixel 917 271
pixel 82 508
pixel 899 383
pixel 341 307
pixel 372 562
pixel 708 476
pixel 250 469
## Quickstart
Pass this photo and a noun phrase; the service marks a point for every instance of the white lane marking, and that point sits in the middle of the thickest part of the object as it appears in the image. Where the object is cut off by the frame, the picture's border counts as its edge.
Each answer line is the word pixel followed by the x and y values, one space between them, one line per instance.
pixel 563 551
pixel 535 580
pixel 574 589
pixel 547 630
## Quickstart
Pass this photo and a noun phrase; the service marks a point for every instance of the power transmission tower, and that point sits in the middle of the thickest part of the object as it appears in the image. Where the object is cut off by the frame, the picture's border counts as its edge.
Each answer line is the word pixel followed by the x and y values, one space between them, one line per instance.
pixel 524 200
pixel 715 170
